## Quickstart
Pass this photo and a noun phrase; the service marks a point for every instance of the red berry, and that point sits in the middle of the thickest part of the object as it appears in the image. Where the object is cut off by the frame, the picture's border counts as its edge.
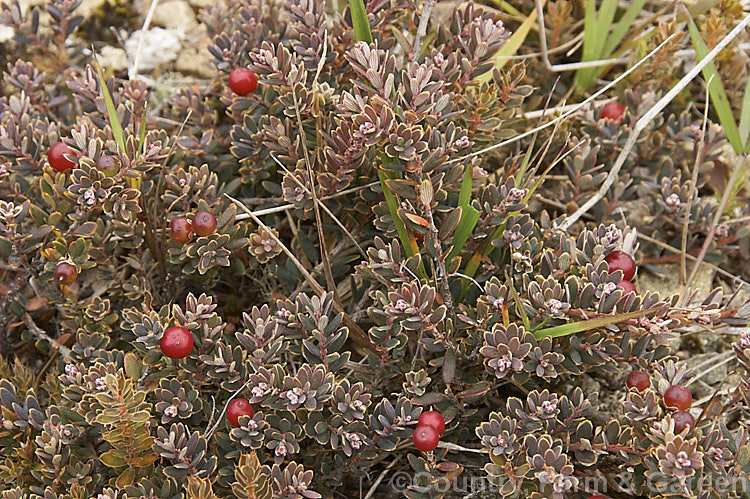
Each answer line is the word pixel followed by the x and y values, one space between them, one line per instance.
pixel 598 496
pixel 177 342
pixel 619 260
pixel 425 438
pixel 678 397
pixel 613 111
pixel 237 408
pixel 204 223
pixel 57 159
pixel 180 230
pixel 242 81
pixel 682 419
pixel 65 273
pixel 434 419
pixel 626 286
pixel 639 380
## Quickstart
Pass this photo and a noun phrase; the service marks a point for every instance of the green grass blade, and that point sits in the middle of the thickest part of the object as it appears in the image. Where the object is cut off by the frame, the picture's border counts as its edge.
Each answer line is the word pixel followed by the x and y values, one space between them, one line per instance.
pixel 519 305
pixel 586 325
pixel 502 4
pixel 745 118
pixel 469 216
pixel 359 21
pixel 604 20
pixel 623 25
pixel 584 77
pixel 526 160
pixel 719 99
pixel 390 200
pixel 142 135
pixel 114 122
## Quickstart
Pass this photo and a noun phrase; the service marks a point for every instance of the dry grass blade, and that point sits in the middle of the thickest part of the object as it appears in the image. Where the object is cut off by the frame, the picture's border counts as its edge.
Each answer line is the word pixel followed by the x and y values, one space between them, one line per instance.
pixel 648 117
pixel 738 170
pixel 572 111
pixel 322 205
pixel 356 332
pixel 690 257
pixel 285 207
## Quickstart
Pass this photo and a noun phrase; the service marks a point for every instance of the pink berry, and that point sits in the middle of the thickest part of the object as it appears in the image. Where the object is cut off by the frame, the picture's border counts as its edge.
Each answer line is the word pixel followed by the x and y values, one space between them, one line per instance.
pixel 204 223
pixel 613 111
pixel 682 419
pixel 626 286
pixel 237 408
pixel 66 273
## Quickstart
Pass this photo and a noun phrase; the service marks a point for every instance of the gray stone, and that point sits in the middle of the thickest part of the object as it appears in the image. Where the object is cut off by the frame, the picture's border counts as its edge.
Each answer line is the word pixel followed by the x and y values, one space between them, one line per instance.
pixel 705 367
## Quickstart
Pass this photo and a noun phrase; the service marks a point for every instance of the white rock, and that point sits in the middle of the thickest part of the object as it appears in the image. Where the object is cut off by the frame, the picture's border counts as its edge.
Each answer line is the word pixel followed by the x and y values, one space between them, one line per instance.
pixel 6 33
pixel 159 46
pixel 113 58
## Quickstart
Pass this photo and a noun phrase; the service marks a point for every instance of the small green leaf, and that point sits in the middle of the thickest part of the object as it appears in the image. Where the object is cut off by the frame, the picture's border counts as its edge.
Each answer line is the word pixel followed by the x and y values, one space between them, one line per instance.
pixel 109 459
pixel 133 366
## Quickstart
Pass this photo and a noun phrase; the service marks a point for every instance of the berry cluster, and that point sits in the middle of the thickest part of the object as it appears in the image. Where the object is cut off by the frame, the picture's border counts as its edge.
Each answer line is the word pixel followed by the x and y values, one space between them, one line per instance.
pixel 430 427
pixel 675 397
pixel 619 260
pixel 181 229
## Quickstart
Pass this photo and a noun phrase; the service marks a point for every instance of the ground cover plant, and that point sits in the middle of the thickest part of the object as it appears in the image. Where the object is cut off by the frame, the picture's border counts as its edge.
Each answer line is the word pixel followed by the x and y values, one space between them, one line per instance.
pixel 376 255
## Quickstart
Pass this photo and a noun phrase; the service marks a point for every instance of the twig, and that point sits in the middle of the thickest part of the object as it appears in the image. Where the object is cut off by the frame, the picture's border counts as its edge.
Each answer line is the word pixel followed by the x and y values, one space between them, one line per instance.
pixel 689 205
pixel 724 358
pixel 279 209
pixel 648 117
pixel 458 448
pixel 424 19
pixel 377 481
pixel 316 206
pixel 357 335
pixel 133 70
pixel 224 410
pixel 42 335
